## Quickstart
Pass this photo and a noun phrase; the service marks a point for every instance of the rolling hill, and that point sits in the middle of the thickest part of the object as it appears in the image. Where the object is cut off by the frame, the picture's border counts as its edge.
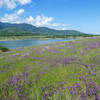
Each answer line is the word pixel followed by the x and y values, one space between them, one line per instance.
pixel 23 29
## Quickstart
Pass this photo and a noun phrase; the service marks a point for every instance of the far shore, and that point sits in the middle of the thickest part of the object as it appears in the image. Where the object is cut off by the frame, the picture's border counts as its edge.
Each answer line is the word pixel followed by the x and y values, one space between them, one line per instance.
pixel 31 39
pixel 39 38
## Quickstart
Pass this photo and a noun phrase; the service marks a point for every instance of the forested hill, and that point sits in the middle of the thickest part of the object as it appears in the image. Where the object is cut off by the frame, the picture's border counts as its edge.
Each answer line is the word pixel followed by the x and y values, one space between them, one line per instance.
pixel 7 29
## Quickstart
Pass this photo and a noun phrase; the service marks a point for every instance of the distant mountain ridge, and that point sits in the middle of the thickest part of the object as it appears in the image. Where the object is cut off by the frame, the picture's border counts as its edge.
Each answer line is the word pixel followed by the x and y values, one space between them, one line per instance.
pixel 27 29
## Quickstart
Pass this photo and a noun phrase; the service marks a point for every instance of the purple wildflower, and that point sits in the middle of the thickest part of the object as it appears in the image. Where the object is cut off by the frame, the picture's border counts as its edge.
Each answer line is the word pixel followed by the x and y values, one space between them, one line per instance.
pixel 82 96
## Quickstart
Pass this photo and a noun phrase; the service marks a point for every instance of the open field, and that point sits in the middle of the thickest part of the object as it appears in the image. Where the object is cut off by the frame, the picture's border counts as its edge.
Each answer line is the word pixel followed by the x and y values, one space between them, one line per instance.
pixel 60 71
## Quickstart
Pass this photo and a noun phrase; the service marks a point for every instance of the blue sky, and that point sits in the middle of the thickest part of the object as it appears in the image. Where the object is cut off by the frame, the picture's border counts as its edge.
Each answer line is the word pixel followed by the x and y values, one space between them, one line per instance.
pixel 82 15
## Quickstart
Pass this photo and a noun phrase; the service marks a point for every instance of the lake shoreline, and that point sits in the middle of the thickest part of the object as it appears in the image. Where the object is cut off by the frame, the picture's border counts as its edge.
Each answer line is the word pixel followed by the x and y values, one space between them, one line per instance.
pixel 34 38
pixel 13 44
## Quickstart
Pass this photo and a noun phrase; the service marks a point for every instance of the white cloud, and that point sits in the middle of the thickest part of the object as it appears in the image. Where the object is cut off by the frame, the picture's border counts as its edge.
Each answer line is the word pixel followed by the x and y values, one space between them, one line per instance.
pixel 1 3
pixel 64 28
pixel 64 25
pixel 40 21
pixel 20 11
pixel 29 20
pixel 44 21
pixel 55 25
pixel 12 18
pixel 23 2
pixel 11 4
pixel 37 21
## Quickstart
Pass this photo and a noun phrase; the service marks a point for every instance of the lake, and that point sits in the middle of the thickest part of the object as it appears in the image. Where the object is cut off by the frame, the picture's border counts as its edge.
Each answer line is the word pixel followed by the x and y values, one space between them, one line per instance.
pixel 13 44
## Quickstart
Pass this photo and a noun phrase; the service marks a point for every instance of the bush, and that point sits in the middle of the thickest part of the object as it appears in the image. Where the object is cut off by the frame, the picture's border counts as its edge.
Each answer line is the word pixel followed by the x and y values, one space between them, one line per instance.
pixel 3 49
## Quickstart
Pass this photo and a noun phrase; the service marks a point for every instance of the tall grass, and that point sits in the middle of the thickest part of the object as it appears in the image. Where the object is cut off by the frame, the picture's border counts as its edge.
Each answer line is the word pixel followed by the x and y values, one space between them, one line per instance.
pixel 60 71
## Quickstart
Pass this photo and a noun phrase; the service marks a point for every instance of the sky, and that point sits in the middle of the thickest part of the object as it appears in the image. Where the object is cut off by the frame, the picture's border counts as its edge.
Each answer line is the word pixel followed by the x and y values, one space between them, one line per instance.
pixel 81 15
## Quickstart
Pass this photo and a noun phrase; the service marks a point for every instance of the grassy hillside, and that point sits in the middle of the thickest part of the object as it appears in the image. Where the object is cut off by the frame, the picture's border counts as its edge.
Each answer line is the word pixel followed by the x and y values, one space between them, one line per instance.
pixel 61 71
pixel 7 29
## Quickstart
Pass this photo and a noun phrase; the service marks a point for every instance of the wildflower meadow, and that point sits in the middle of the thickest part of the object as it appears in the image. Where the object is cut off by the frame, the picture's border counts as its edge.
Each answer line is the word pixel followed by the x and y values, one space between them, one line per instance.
pixel 58 71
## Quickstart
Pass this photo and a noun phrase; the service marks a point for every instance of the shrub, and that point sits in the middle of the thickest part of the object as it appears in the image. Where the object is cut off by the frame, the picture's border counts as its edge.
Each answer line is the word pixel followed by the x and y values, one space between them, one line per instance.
pixel 3 49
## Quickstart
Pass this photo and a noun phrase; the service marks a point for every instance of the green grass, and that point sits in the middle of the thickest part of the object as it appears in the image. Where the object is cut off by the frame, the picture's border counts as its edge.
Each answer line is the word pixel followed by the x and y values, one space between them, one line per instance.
pixel 49 72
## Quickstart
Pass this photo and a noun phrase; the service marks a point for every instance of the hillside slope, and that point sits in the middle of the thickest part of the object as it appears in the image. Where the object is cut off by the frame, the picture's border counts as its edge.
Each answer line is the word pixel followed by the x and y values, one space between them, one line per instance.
pixel 60 71
pixel 27 29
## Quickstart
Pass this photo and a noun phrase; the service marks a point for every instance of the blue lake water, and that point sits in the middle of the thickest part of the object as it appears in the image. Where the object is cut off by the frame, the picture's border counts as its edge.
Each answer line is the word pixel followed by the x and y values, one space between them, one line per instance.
pixel 13 44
